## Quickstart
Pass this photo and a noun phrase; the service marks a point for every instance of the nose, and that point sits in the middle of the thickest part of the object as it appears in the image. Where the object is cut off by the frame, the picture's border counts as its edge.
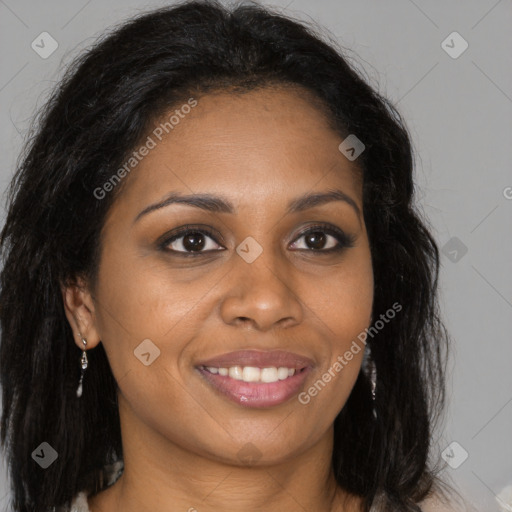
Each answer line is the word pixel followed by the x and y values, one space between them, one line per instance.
pixel 261 295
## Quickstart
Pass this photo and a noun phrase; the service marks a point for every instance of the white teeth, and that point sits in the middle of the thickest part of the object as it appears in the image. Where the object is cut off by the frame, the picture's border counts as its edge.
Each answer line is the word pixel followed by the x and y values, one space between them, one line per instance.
pixel 235 372
pixel 284 373
pixel 253 373
pixel 271 374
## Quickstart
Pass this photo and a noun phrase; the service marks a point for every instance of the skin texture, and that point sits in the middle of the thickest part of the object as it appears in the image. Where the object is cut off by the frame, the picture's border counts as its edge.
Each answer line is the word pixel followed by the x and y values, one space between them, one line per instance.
pixel 259 150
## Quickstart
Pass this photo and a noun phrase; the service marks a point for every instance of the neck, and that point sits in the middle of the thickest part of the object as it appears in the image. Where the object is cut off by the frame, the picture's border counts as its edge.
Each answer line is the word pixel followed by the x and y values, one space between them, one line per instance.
pixel 164 476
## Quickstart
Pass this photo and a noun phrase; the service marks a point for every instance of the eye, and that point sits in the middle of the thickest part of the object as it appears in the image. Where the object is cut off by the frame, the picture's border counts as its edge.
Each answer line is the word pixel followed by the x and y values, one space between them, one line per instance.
pixel 195 240
pixel 324 238
pixel 190 240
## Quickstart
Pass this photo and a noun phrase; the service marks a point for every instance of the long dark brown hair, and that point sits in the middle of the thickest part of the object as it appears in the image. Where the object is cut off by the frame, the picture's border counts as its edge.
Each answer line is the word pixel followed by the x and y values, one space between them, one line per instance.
pixel 104 105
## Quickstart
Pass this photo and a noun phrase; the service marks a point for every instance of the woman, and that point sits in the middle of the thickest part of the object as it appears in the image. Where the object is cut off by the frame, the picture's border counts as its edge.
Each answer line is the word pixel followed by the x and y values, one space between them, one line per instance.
pixel 216 291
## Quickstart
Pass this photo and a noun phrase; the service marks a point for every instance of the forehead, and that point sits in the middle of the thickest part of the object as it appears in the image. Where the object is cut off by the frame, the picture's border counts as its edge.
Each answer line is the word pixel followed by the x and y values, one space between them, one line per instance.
pixel 251 146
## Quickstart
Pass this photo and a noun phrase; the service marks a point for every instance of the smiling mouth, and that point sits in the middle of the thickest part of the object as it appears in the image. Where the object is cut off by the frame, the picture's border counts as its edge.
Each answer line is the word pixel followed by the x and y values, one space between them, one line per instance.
pixel 253 373
pixel 251 386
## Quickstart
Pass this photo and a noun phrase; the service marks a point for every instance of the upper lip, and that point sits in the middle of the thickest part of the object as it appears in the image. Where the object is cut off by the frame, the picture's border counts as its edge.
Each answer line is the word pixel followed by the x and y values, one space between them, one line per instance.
pixel 257 358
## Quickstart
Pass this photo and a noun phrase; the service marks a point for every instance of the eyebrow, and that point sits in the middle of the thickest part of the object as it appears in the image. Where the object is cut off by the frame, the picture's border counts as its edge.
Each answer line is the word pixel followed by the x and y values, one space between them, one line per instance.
pixel 218 204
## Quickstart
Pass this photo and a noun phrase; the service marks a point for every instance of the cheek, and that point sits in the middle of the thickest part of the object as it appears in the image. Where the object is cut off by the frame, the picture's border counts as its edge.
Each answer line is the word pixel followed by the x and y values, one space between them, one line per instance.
pixel 346 306
pixel 138 297
pixel 141 311
pixel 139 300
pixel 136 302
pixel 345 300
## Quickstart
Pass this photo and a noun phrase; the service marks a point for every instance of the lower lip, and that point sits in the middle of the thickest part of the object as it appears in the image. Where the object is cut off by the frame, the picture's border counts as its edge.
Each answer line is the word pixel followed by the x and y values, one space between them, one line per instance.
pixel 256 394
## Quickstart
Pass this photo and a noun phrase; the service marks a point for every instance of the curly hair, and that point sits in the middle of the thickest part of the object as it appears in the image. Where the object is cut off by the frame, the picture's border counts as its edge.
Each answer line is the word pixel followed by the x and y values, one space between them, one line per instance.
pixel 104 105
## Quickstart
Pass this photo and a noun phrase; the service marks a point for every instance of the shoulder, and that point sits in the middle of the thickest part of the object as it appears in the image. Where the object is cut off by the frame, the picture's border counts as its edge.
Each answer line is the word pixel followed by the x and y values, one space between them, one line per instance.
pixel 79 503
pixel 435 505
pixel 111 473
pixel 441 503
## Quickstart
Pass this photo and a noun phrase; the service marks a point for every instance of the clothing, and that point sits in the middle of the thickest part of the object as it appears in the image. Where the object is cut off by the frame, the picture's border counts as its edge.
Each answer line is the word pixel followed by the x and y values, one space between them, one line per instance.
pixel 111 474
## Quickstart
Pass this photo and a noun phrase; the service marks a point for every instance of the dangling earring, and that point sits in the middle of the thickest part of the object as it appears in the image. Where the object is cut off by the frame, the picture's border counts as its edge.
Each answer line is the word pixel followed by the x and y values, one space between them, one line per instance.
pixel 373 380
pixel 371 372
pixel 83 363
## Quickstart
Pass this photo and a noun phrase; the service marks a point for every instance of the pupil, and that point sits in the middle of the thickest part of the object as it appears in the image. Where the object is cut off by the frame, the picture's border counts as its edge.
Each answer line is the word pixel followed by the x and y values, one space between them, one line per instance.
pixel 193 242
pixel 315 239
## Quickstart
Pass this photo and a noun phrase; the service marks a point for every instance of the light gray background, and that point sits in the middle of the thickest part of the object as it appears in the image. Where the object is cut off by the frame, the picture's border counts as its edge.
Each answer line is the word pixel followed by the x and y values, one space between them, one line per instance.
pixel 459 112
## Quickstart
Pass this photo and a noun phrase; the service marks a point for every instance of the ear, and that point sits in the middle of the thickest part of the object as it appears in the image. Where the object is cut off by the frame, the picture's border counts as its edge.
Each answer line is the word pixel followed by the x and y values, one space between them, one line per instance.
pixel 79 309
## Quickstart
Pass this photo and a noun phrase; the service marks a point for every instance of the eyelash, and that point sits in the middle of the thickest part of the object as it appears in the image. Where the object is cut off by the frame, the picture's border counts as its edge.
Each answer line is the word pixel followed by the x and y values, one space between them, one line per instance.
pixel 344 240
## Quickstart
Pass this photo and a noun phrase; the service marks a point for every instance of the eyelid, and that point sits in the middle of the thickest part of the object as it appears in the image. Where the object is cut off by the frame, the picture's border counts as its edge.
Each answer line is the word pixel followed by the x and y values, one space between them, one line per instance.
pixel 345 240
pixel 167 238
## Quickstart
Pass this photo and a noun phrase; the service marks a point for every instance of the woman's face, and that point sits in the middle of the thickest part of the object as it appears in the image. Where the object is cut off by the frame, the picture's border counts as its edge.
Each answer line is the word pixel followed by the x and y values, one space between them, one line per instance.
pixel 253 281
